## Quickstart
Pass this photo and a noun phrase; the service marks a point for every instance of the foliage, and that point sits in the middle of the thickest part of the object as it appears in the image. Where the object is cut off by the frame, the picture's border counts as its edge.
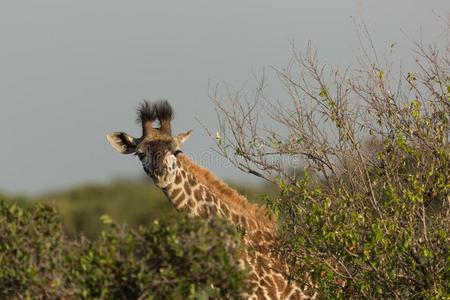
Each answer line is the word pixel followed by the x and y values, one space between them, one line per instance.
pixel 185 259
pixel 400 249
pixel 369 213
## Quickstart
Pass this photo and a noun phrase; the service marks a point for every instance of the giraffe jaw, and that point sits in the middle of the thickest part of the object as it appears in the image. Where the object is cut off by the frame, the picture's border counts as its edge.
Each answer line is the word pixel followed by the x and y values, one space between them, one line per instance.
pixel 165 175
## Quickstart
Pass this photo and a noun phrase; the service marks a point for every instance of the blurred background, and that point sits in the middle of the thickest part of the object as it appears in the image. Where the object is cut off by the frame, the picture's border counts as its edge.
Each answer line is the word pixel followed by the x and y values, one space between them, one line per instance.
pixel 70 71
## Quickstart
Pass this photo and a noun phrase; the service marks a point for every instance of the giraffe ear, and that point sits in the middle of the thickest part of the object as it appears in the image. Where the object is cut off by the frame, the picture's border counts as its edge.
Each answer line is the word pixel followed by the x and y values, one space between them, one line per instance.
pixel 122 142
pixel 182 137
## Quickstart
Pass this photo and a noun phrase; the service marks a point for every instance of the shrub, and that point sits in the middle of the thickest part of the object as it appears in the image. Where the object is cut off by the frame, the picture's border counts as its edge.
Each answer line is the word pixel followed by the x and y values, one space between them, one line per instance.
pixel 363 162
pixel 185 259
pixel 32 252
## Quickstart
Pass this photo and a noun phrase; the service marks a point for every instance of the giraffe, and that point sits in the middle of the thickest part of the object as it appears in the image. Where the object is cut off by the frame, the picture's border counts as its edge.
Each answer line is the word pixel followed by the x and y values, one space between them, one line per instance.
pixel 195 191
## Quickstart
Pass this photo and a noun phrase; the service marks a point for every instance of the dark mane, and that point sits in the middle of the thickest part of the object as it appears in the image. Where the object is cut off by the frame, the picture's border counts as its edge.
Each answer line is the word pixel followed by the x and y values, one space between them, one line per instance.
pixel 145 112
pixel 163 110
pixel 164 113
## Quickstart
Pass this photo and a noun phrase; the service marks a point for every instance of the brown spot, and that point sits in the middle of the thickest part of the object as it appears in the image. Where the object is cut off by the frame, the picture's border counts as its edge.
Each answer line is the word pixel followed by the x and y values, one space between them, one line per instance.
pixel 178 164
pixel 244 222
pixel 235 218
pixel 225 210
pixel 202 210
pixel 257 237
pixel 183 173
pixel 262 249
pixel 213 210
pixel 192 180
pixel 185 208
pixel 178 178
pixel 187 188
pixel 263 282
pixel 191 202
pixel 209 198
pixel 259 266
pixel 175 193
pixel 198 194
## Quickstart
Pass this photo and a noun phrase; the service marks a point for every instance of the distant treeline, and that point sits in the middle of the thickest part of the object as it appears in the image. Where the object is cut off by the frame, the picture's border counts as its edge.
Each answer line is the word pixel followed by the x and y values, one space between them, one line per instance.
pixel 130 202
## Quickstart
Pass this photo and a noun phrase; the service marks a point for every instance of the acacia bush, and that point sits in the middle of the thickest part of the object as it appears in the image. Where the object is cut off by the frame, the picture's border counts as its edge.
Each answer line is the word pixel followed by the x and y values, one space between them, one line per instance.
pixel 362 158
pixel 182 259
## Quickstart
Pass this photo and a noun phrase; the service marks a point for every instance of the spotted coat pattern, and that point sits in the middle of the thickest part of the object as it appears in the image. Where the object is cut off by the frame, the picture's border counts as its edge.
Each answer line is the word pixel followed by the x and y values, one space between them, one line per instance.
pixel 267 271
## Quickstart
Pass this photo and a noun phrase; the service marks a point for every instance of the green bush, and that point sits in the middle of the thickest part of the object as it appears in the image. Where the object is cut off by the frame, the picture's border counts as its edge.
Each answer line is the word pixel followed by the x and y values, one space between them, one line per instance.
pixel 396 249
pixel 182 259
pixel 368 215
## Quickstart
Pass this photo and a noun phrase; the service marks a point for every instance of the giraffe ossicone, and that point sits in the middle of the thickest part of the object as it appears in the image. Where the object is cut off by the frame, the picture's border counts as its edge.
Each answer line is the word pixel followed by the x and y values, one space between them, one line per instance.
pixel 195 191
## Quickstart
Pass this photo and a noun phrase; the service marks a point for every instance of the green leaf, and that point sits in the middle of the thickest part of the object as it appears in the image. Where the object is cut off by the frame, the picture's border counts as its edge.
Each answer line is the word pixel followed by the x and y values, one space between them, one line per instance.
pixel 323 93
pixel 105 219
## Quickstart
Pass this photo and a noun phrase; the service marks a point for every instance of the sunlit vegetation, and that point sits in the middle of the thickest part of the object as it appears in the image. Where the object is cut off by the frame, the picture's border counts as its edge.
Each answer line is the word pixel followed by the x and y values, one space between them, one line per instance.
pixel 369 216
pixel 172 259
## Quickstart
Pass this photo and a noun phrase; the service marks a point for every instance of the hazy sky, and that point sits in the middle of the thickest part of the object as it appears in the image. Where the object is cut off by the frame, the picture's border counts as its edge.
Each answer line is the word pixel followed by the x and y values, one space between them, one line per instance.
pixel 70 71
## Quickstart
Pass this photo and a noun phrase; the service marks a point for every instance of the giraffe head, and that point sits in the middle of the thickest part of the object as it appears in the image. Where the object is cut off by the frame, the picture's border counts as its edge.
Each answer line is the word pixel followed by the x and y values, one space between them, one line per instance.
pixel 157 149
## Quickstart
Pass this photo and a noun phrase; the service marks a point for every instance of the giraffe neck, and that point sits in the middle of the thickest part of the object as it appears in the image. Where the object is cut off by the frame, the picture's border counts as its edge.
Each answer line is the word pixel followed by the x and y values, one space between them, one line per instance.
pixel 196 192
pixel 192 194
